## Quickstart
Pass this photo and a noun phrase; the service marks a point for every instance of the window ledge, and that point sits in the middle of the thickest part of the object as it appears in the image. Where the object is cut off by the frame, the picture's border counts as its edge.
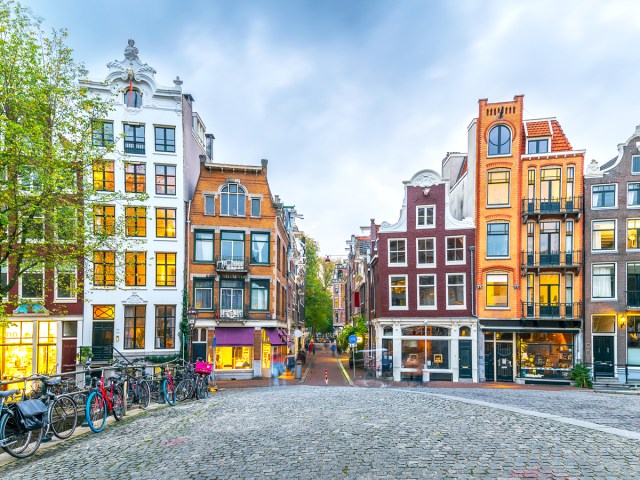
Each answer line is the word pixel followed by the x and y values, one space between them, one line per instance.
pixel 425 227
pixel 499 206
pixel 426 265
pixel 397 265
pixel 65 300
pixel 166 154
pixel 457 307
pixel 600 252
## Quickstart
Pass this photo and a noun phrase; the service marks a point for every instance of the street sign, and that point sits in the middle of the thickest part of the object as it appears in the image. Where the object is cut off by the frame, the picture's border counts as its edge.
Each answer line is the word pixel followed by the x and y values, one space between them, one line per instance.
pixel 359 339
pixel 353 339
pixel 297 333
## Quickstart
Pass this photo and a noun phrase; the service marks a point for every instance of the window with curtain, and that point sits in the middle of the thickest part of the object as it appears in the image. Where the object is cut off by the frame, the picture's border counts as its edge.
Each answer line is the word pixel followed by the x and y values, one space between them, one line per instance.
pixel 633 195
pixel 603 196
pixel 497 290
pixel 260 248
pixel 603 280
pixel 203 246
pixel 260 295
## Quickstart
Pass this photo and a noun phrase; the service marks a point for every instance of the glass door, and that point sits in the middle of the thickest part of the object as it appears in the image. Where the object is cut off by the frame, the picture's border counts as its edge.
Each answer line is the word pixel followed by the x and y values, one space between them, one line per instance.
pixel 550 190
pixel 549 243
pixel 549 294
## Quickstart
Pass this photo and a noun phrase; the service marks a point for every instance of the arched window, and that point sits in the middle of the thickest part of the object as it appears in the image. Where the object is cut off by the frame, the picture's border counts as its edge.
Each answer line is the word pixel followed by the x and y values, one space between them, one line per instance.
pixel 465 332
pixel 232 200
pixel 132 98
pixel 500 140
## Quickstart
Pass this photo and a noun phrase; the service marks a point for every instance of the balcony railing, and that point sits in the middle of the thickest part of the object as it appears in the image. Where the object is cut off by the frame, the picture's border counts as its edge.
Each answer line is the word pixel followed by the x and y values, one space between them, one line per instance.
pixel 232 264
pixel 134 147
pixel 564 260
pixel 552 206
pixel 555 311
pixel 633 299
pixel 102 353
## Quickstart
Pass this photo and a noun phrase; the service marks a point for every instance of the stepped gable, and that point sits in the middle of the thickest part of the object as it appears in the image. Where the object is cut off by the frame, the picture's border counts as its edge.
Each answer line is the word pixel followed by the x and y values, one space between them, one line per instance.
pixel 559 142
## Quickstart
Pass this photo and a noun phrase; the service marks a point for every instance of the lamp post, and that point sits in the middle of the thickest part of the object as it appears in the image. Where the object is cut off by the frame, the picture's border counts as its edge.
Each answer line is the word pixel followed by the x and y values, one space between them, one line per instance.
pixel 192 315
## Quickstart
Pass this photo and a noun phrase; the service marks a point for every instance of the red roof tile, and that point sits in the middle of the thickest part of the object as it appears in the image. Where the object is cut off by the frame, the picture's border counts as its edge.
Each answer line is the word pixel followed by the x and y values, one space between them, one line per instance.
pixel 559 142
pixel 538 129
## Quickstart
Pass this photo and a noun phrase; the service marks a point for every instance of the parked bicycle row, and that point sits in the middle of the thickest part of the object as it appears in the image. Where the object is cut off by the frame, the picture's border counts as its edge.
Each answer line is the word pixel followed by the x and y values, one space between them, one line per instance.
pixel 54 406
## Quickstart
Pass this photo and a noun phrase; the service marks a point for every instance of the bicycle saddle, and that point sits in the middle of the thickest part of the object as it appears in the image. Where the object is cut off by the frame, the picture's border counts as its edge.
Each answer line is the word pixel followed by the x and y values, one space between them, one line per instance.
pixel 53 381
pixel 8 393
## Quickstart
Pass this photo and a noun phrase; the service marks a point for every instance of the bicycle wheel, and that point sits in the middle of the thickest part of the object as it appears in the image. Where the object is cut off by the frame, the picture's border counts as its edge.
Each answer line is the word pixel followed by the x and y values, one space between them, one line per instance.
pixel 16 441
pixel 63 417
pixel 80 399
pixel 96 412
pixel 169 392
pixel 182 390
pixel 144 394
pixel 117 402
pixel 204 387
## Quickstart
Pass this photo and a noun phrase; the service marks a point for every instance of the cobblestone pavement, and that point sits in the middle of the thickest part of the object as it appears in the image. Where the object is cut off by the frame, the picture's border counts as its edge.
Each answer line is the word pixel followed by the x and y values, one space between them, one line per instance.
pixel 342 432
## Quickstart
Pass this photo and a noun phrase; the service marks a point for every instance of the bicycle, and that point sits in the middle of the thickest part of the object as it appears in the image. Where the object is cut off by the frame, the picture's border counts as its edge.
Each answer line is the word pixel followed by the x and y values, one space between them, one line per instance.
pixel 103 400
pixel 169 388
pixel 16 438
pixel 62 413
pixel 138 390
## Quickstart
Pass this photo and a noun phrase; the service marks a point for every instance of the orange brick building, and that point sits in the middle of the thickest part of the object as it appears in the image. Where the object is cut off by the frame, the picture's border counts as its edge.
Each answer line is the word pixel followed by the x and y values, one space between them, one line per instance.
pixel 237 261
pixel 529 192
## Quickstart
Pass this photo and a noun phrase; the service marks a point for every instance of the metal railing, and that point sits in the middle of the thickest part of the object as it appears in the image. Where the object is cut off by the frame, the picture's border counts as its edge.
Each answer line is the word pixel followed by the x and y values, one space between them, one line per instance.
pixel 232 264
pixel 551 206
pixel 230 314
pixel 134 147
pixel 613 368
pixel 552 260
pixel 555 311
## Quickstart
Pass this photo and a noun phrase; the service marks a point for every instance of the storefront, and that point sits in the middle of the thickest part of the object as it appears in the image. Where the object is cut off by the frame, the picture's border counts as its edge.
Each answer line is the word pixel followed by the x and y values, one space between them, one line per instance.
pixel 234 352
pixel 274 352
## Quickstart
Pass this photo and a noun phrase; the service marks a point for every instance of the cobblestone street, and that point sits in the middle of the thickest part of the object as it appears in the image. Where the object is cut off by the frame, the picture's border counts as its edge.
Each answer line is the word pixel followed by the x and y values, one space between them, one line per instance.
pixel 344 432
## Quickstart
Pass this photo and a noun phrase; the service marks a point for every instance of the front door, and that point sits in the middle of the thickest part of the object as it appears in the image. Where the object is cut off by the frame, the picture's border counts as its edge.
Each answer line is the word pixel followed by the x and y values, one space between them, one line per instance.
pixel 102 344
pixel 504 362
pixel 603 360
pixel 488 362
pixel 465 362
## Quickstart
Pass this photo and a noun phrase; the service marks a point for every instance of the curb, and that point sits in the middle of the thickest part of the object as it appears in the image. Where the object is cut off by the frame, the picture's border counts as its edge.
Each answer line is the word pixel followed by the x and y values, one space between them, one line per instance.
pixel 307 370
pixel 344 372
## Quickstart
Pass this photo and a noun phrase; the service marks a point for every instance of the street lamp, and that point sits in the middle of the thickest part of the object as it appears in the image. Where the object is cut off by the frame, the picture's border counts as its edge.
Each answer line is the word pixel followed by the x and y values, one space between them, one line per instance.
pixel 192 316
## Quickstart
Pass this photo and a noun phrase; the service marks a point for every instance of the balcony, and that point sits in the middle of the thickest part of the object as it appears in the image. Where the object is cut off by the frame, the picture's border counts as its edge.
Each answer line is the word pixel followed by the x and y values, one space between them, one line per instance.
pixel 230 314
pixel 565 261
pixel 537 208
pixel 551 311
pixel 134 147
pixel 633 299
pixel 232 264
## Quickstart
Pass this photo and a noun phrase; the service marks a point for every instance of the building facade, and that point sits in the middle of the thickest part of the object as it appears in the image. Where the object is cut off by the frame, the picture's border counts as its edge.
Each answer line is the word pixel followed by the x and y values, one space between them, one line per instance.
pixel 612 264
pixel 422 273
pixel 529 192
pixel 237 271
pixel 134 283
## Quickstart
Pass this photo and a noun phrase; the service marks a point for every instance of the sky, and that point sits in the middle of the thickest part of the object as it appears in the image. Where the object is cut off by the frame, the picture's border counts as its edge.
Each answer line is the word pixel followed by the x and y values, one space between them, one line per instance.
pixel 348 99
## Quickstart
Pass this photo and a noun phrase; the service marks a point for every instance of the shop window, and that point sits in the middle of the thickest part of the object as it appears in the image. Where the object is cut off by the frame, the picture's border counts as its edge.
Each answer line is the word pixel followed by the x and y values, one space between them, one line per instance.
pixel 232 200
pixel 203 245
pixel 438 354
pixel 135 269
pixel 165 269
pixel 633 339
pixel 415 331
pixel 545 355
pixel 47 336
pixel 427 291
pixel 135 221
pixel 260 248
pixel 426 252
pixel 16 344
pixel 413 356
pixel 497 290
pixel 398 252
pixel 166 222
pixel 104 175
pixel 203 294
pixel 234 358
pixel 433 331
pixel 135 177
pixel 134 326
pixel 499 141
pixel 603 281
pixel 426 216
pixel 603 323
pixel 498 188
pixel 398 292
pixel 165 326
pixel 603 196
pixel 603 235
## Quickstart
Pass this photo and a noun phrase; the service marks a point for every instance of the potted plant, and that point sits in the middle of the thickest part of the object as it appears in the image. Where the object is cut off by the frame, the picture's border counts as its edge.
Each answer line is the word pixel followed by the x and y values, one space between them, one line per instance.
pixel 581 376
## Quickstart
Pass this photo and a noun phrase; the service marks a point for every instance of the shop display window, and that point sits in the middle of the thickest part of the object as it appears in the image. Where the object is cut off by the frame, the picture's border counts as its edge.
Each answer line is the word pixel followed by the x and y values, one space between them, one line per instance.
pixel 234 358
pixel 16 347
pixel 413 354
pixel 438 354
pixel 545 355
pixel 413 331
pixel 633 340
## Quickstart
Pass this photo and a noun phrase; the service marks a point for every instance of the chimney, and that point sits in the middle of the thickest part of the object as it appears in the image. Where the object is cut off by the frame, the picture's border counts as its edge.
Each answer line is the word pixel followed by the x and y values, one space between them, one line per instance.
pixel 264 162
pixel 209 140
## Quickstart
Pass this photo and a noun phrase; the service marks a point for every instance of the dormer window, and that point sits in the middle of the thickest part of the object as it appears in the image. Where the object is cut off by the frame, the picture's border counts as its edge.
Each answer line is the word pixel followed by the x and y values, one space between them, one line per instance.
pixel 539 145
pixel 132 98
pixel 500 140
pixel 232 200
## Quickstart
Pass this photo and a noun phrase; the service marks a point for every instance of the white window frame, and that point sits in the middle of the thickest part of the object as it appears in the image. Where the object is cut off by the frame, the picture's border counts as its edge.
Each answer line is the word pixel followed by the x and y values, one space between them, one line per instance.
pixel 535 139
pixel 58 298
pixel 615 282
pixel 615 196
pixel 37 240
pixel 464 247
pixel 204 204
pixel 4 270
pixel 425 208
pixel 406 253
pixel 56 230
pixel 32 270
pixel 486 283
pixel 632 171
pixel 464 292
pixel 615 235
pixel 435 257
pixel 406 292
pixel 435 292
pixel 629 205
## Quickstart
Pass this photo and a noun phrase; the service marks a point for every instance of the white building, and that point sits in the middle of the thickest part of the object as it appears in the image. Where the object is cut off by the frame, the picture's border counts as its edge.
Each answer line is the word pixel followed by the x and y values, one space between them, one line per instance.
pixel 133 287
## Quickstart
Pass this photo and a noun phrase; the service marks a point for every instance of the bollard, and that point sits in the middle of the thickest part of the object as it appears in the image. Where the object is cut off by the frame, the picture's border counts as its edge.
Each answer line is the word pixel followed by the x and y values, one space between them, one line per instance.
pixel 326 376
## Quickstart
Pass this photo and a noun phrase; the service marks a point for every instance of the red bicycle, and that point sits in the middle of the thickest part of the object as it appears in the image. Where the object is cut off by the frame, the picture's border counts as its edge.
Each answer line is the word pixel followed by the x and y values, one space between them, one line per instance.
pixel 169 388
pixel 102 401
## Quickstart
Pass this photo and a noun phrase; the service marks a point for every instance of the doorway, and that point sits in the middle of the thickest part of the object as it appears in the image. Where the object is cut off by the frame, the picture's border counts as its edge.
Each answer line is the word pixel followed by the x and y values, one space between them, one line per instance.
pixel 465 361
pixel 504 362
pixel 603 359
pixel 102 344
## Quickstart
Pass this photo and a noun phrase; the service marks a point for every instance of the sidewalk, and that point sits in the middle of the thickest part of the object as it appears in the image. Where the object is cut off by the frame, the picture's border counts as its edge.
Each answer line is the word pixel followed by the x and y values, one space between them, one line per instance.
pixel 283 380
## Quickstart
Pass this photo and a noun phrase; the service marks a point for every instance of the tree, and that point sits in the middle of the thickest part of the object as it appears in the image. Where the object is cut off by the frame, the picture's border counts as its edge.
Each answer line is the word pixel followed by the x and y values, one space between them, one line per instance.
pixel 318 313
pixel 328 270
pixel 359 329
pixel 47 152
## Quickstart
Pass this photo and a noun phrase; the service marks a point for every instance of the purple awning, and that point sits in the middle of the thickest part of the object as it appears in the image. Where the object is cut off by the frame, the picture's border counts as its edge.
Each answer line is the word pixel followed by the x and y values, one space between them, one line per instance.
pixel 234 336
pixel 274 336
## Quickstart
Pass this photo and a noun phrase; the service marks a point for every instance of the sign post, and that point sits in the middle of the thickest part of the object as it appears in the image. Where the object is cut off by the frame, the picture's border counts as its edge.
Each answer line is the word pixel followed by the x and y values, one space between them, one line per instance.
pixel 352 342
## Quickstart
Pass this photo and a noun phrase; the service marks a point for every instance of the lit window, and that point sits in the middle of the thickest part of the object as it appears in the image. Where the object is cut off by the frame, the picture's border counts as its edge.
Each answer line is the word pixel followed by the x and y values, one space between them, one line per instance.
pixel 426 291
pixel 104 268
pixel 455 291
pixel 633 230
pixel 500 140
pixel 426 250
pixel 165 326
pixel 165 139
pixel 397 252
pixel 604 235
pixel 166 222
pixel 135 269
pixel 498 188
pixel 398 292
pixel 134 323
pixel 426 216
pixel 497 291
pixel 603 196
pixel 603 278
pixel 136 221
pixel 537 146
pixel 203 246
pixel 104 312
pixel 232 200
pixel 135 177
pixel 498 240
pixel 104 176
pixel 104 220
pixel 455 249
pixel 165 269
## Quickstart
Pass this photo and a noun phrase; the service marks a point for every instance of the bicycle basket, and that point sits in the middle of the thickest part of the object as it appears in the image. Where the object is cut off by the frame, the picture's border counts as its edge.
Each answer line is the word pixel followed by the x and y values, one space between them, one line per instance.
pixel 31 414
pixel 204 367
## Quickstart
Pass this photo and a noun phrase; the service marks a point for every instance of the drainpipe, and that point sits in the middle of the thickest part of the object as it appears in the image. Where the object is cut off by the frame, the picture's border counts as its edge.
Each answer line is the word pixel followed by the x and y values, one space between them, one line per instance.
pixel 473 283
